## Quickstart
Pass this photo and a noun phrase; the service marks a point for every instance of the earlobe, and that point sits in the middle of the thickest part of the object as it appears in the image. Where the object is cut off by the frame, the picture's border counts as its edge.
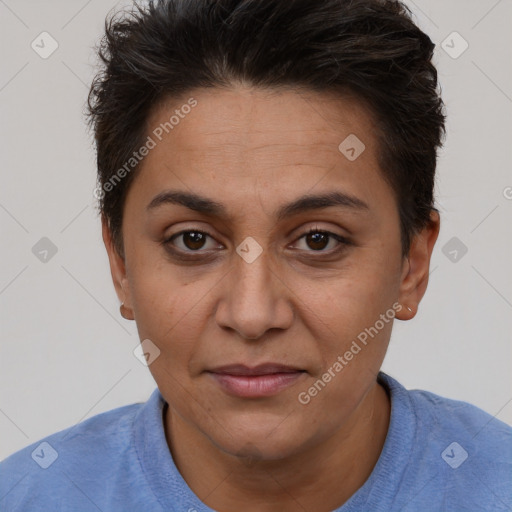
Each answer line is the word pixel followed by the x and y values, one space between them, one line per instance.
pixel 416 268
pixel 118 272
pixel 126 313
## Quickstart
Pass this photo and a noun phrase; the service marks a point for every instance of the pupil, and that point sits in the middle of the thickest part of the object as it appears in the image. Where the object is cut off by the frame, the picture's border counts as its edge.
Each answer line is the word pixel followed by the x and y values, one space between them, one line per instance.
pixel 319 240
pixel 194 240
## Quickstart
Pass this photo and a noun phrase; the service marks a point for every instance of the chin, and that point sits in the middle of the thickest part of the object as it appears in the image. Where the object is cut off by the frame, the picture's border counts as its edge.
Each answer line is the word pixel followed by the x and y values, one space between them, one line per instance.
pixel 264 442
pixel 251 451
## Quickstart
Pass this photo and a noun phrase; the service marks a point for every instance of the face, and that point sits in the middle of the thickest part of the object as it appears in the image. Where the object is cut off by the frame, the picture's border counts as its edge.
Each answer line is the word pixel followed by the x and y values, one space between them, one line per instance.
pixel 256 254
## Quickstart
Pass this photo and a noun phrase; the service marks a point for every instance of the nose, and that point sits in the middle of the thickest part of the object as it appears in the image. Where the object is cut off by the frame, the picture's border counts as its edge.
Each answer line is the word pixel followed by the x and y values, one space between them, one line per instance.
pixel 254 299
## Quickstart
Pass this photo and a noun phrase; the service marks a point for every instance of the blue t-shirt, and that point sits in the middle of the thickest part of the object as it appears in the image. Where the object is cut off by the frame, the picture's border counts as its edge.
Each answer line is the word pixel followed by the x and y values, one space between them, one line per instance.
pixel 439 455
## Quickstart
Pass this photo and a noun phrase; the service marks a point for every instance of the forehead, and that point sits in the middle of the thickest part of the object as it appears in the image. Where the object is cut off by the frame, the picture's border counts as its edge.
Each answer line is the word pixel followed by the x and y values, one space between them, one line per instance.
pixel 241 139
pixel 263 119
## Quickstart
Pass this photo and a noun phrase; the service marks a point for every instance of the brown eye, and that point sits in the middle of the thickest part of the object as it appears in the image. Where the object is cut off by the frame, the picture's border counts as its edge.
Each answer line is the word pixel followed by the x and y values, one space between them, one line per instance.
pixel 191 241
pixel 194 239
pixel 317 241
pixel 321 241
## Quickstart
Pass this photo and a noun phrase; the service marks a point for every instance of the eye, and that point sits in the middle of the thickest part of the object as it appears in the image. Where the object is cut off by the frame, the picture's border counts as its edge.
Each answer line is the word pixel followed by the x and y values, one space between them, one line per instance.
pixel 191 241
pixel 318 240
pixel 196 241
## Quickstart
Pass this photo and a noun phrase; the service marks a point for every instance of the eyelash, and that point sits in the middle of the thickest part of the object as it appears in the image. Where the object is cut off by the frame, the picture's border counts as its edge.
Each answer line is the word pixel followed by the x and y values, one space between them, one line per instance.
pixel 167 243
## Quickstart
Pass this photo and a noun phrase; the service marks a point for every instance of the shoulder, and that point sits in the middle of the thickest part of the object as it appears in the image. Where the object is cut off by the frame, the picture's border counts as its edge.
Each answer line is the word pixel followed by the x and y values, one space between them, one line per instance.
pixel 441 415
pixel 444 416
pixel 109 429
pixel 50 467
pixel 465 452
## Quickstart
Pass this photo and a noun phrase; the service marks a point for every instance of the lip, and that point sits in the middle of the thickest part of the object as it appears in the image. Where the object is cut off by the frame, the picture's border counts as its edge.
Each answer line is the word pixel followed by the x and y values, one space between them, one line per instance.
pixel 253 382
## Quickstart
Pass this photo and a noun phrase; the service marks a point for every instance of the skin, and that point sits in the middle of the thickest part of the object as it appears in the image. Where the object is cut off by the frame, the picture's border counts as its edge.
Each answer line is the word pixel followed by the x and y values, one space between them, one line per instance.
pixel 254 150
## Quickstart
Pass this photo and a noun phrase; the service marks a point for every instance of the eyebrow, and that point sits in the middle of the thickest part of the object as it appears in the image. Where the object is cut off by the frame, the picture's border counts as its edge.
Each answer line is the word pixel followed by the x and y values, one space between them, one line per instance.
pixel 305 203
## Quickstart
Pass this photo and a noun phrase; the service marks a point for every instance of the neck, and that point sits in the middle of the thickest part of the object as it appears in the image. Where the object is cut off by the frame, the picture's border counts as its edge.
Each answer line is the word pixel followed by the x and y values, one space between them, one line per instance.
pixel 320 478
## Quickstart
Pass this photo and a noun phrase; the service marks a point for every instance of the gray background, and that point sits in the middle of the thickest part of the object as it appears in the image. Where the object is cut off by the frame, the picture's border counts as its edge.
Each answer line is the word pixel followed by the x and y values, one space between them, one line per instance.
pixel 66 353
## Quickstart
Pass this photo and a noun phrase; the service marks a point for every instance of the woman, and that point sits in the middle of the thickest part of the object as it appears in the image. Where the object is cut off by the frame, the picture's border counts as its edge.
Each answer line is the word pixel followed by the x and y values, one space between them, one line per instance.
pixel 266 174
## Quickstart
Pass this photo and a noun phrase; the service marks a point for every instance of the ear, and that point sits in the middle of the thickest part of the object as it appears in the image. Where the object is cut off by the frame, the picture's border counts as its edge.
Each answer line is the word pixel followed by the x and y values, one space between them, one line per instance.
pixel 118 271
pixel 416 268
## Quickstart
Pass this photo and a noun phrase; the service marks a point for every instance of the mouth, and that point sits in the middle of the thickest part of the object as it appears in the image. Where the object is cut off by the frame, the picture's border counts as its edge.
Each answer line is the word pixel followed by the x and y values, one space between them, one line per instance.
pixel 255 382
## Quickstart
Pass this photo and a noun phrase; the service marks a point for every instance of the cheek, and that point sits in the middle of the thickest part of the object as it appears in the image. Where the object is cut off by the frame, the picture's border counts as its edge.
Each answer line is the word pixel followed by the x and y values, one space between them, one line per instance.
pixel 160 292
pixel 353 297
pixel 351 338
pixel 169 310
pixel 343 317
